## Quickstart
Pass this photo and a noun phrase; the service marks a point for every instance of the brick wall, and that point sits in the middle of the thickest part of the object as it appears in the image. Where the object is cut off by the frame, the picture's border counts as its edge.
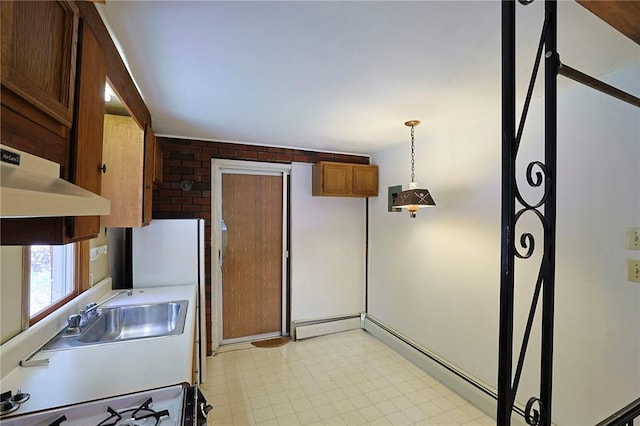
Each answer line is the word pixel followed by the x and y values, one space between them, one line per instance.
pixel 190 160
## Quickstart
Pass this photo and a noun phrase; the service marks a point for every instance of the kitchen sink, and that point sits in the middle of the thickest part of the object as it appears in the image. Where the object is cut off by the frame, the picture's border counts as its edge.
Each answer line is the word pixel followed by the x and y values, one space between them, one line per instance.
pixel 136 322
pixel 127 322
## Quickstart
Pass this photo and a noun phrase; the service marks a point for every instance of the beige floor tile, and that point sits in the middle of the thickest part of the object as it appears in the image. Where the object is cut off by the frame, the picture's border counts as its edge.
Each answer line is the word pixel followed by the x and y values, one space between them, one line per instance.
pixel 263 414
pixel 283 409
pixel 353 418
pixel 308 416
pixel 399 419
pixel 347 378
pixel 327 411
pixel 290 420
pixel 370 413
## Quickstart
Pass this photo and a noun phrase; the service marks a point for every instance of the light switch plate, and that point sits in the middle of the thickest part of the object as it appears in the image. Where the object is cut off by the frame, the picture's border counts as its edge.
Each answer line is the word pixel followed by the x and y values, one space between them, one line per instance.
pixel 633 270
pixel 633 238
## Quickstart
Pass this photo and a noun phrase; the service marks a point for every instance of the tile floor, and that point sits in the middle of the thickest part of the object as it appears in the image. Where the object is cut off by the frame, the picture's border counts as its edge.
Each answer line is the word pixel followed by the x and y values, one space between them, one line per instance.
pixel 348 378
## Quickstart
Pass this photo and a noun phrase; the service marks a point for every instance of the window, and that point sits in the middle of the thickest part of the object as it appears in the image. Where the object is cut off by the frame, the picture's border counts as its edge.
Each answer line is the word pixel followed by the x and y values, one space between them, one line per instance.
pixel 49 279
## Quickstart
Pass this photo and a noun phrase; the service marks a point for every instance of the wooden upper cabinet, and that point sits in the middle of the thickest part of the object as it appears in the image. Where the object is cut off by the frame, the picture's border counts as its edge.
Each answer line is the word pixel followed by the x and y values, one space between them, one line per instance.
pixel 332 179
pixel 88 127
pixel 79 155
pixel 128 153
pixel 344 179
pixel 55 55
pixel 39 41
pixel 365 180
pixel 123 154
pixel 149 172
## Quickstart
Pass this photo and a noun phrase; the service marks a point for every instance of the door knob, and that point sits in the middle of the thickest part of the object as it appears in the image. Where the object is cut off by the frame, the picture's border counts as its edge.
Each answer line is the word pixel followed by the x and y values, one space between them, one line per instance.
pixel 103 168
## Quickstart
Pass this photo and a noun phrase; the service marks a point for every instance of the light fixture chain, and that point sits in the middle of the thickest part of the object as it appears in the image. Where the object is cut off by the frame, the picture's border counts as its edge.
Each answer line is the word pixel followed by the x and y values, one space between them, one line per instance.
pixel 413 162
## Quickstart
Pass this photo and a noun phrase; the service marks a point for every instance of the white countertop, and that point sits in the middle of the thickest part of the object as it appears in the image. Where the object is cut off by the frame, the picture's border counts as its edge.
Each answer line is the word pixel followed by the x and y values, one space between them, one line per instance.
pixel 92 372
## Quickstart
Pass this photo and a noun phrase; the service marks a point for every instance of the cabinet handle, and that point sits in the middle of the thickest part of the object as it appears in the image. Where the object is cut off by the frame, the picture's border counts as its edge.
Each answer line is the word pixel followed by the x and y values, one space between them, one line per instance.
pixel 103 168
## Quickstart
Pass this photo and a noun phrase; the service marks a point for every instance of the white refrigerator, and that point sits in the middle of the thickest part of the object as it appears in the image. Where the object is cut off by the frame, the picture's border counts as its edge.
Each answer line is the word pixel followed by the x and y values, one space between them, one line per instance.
pixel 170 252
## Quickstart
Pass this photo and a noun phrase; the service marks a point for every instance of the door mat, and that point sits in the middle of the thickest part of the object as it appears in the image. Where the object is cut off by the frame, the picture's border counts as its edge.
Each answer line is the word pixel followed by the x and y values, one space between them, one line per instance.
pixel 271 343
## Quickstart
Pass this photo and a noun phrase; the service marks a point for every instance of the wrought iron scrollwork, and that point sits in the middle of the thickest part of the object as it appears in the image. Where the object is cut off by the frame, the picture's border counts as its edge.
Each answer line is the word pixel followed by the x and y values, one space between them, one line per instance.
pixel 522 245
pixel 532 416
pixel 527 239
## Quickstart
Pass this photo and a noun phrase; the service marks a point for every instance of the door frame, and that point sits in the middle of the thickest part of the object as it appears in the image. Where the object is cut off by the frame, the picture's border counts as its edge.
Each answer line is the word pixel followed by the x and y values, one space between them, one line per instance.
pixel 218 167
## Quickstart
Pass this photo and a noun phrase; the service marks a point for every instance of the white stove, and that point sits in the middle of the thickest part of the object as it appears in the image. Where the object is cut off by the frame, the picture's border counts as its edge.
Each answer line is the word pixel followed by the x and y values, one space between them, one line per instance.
pixel 174 405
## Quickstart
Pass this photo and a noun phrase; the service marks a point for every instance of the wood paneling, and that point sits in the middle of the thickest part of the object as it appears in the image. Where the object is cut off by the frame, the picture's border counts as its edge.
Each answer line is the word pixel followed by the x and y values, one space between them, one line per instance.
pixel 252 268
pixel 621 15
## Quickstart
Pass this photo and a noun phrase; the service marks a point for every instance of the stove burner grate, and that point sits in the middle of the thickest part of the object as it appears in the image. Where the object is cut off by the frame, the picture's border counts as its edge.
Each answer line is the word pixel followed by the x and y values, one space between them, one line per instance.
pixel 140 416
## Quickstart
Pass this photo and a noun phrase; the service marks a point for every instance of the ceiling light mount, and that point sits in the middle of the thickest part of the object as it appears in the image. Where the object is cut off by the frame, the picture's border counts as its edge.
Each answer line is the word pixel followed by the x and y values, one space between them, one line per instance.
pixel 413 198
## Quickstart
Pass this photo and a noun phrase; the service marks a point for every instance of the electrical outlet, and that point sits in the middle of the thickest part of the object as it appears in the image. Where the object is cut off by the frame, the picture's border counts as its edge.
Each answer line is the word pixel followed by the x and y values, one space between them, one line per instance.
pixel 633 238
pixel 633 270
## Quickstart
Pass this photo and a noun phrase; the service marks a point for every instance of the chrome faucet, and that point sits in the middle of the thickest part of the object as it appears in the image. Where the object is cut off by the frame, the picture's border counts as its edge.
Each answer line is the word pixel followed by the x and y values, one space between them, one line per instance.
pixel 76 321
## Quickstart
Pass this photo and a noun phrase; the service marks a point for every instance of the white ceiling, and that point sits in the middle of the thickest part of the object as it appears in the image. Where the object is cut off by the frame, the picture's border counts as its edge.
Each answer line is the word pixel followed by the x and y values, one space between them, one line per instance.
pixel 336 75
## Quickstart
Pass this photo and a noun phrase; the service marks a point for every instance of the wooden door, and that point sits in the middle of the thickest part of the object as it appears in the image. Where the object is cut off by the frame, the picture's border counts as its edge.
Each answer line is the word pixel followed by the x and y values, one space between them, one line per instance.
pixel 252 262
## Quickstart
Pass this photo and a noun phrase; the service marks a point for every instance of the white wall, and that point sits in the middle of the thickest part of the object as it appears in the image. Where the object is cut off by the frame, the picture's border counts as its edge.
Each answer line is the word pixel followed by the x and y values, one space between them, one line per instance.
pixel 10 292
pixel 327 251
pixel 436 278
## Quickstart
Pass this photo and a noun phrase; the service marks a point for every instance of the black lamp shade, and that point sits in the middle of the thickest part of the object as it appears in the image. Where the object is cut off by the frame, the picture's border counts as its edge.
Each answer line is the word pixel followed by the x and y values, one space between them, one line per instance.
pixel 414 197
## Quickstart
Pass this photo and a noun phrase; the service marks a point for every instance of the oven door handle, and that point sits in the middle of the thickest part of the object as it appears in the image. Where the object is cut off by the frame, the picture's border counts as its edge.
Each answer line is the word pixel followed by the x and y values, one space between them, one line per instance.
pixel 205 408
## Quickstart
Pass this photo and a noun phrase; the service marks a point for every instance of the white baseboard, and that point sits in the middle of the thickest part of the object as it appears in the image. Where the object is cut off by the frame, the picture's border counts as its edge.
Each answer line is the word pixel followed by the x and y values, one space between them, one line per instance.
pixel 481 395
pixel 319 327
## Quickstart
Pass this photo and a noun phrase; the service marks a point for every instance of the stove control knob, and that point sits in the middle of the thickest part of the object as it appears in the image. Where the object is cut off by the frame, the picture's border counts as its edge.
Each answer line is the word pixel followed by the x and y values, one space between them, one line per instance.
pixel 7 407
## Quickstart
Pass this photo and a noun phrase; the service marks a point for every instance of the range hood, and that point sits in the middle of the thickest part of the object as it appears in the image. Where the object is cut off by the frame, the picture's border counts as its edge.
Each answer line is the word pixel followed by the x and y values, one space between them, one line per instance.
pixel 31 186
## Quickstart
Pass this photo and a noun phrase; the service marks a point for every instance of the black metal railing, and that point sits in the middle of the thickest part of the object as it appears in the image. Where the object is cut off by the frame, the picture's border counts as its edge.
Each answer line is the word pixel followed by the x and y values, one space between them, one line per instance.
pixel 623 417
pixel 539 174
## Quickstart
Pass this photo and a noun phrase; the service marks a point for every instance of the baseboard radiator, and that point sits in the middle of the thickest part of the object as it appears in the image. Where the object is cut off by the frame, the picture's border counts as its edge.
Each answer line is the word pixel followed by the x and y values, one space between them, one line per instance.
pixel 481 395
pixel 319 327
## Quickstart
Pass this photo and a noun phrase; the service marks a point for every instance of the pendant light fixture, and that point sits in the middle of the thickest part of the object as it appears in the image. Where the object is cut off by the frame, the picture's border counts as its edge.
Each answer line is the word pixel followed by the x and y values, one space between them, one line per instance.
pixel 413 198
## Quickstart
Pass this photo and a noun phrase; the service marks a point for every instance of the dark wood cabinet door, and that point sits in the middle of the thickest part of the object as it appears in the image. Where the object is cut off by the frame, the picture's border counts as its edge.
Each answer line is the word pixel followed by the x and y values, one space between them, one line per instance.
pixel 39 40
pixel 83 154
pixel 88 127
pixel 149 168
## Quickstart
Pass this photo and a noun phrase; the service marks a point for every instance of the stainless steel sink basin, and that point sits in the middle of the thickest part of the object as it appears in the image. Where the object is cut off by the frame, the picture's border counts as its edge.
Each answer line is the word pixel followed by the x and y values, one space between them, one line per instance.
pixel 127 322
pixel 136 322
